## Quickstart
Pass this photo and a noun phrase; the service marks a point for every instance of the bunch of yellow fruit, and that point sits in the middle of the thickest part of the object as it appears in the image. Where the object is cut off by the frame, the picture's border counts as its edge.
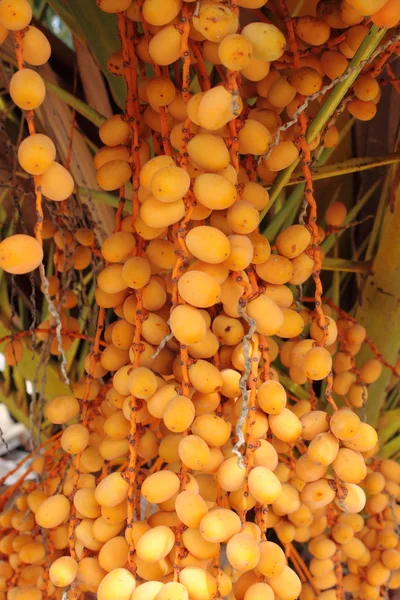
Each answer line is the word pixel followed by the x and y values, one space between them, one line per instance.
pixel 182 451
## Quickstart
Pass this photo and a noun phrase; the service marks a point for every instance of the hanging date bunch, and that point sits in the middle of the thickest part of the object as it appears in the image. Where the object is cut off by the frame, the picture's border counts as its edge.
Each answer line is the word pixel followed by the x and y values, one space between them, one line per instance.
pixel 214 444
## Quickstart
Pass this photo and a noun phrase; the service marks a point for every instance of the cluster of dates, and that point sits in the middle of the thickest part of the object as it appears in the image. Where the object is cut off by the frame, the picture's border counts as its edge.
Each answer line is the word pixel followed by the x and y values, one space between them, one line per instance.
pixel 181 452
